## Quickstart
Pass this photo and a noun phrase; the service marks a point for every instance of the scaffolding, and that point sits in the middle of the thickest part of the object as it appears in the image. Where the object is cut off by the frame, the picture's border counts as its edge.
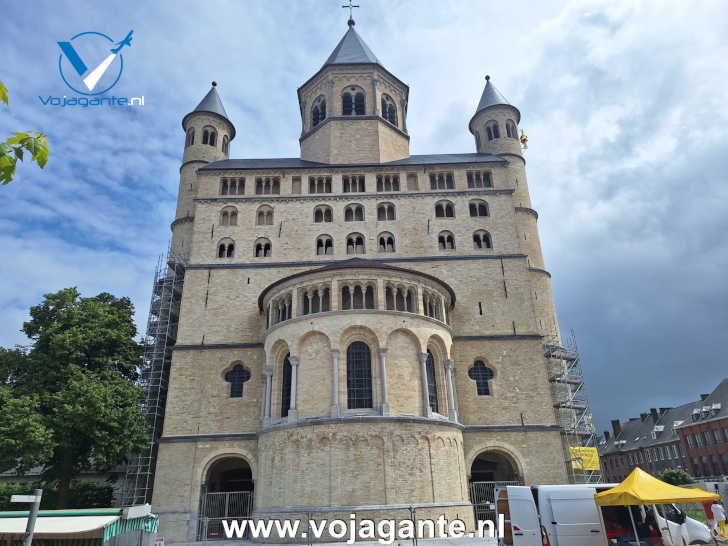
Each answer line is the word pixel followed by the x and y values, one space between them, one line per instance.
pixel 154 374
pixel 571 405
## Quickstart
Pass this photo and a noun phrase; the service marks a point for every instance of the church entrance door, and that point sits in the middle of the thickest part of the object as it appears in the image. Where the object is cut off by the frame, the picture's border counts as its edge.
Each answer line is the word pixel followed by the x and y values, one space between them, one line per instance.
pixel 227 494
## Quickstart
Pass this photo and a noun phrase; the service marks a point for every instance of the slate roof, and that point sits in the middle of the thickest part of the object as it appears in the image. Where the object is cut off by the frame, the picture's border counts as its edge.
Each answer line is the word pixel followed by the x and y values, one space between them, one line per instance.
pixel 492 97
pixel 212 103
pixel 715 406
pixel 637 432
pixel 351 49
pixel 296 163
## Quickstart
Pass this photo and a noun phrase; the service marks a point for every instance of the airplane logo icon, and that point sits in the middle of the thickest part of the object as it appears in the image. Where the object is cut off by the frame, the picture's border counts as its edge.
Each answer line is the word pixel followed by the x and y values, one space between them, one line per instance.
pixel 91 77
pixel 125 42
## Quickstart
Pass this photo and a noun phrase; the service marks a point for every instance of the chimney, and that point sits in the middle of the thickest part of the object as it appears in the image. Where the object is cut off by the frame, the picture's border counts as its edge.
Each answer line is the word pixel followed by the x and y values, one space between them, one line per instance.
pixel 663 411
pixel 616 427
pixel 704 396
pixel 606 435
pixel 643 416
pixel 653 412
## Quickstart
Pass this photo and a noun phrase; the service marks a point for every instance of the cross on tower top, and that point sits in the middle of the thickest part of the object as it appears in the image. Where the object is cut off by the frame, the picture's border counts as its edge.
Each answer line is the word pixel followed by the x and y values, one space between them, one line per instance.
pixel 351 12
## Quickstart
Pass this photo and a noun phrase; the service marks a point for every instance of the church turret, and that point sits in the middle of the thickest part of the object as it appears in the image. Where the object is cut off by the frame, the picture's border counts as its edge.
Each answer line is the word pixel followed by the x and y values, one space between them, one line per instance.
pixel 353 110
pixel 495 123
pixel 208 133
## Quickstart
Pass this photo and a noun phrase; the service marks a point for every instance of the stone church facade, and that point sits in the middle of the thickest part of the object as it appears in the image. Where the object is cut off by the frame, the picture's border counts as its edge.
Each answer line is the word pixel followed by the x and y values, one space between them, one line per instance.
pixel 359 326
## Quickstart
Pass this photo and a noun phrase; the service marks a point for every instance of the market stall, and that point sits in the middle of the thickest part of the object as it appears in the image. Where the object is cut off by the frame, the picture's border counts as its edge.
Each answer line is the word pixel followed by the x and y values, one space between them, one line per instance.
pixel 643 489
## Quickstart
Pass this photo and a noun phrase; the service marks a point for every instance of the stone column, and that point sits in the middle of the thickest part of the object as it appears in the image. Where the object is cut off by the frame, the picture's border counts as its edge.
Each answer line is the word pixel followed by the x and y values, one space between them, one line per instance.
pixel 292 411
pixel 334 301
pixel 270 313
pixel 403 104
pixel 425 390
pixel 375 82
pixel 381 301
pixel 330 100
pixel 268 375
pixel 452 412
pixel 335 382
pixel 294 304
pixel 383 374
pixel 418 304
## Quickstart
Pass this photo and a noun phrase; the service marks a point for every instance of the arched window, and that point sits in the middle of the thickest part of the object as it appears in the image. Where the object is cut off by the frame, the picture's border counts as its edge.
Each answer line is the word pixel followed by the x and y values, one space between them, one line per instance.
pixel 264 216
pixel 358 376
pixel 226 248
pixel 209 136
pixel 389 110
pixel 511 131
pixel 385 211
pixel 190 137
pixel 236 377
pixel 318 111
pixel 286 386
pixel 446 241
pixel 354 213
pixel 481 240
pixel 386 242
pixel 263 248
pixel 431 383
pixel 229 216
pixel 481 374
pixel 478 207
pixel 353 102
pixel 324 245
pixel 355 244
pixel 492 130
pixel 225 144
pixel 369 298
pixel 444 209
pixel 322 214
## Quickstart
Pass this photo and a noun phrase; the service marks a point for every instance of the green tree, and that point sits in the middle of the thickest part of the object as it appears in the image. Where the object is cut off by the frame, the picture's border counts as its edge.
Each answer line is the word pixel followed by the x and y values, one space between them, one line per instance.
pixel 14 148
pixel 69 402
pixel 676 476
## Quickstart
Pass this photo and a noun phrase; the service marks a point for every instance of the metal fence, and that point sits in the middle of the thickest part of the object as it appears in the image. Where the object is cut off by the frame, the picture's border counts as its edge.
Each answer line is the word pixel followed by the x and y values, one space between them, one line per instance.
pixel 482 495
pixel 229 505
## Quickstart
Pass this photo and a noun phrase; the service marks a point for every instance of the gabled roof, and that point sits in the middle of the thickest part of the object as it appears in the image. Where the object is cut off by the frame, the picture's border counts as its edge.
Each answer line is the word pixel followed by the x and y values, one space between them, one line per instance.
pixel 352 50
pixel 492 97
pixel 714 406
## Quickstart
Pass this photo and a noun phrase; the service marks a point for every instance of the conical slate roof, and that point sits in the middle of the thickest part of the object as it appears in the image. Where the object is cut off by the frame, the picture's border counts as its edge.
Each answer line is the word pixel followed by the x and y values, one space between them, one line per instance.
pixel 212 103
pixel 352 50
pixel 491 97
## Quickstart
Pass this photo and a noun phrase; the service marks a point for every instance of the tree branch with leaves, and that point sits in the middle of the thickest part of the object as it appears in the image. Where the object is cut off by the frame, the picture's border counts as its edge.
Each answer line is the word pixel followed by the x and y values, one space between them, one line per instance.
pixel 15 148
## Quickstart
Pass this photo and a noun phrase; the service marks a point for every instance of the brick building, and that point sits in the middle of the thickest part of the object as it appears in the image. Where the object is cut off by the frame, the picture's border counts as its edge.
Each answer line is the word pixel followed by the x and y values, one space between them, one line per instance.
pixel 704 434
pixel 692 437
pixel 356 326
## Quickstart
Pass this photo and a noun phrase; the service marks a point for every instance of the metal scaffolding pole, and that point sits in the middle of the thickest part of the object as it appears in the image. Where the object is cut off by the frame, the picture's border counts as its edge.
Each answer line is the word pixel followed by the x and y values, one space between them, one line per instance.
pixel 154 374
pixel 571 404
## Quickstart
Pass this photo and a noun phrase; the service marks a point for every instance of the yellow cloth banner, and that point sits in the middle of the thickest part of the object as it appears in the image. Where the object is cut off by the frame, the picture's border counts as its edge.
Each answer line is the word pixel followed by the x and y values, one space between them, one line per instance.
pixel 584 458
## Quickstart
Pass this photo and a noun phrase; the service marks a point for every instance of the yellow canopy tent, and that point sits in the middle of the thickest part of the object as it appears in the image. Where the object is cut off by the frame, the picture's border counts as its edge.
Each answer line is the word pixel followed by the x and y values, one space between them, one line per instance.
pixel 642 488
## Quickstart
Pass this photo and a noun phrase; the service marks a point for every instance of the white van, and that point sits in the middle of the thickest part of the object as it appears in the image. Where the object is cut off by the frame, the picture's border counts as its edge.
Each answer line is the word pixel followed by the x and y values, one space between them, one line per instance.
pixel 566 515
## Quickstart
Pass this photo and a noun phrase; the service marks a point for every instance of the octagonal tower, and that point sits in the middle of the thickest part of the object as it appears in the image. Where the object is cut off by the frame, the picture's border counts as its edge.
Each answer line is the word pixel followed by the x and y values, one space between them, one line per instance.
pixel 353 110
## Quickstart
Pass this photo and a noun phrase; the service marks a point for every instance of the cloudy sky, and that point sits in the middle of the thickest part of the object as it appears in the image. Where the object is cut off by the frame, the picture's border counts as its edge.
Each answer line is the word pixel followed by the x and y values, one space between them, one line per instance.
pixel 624 105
